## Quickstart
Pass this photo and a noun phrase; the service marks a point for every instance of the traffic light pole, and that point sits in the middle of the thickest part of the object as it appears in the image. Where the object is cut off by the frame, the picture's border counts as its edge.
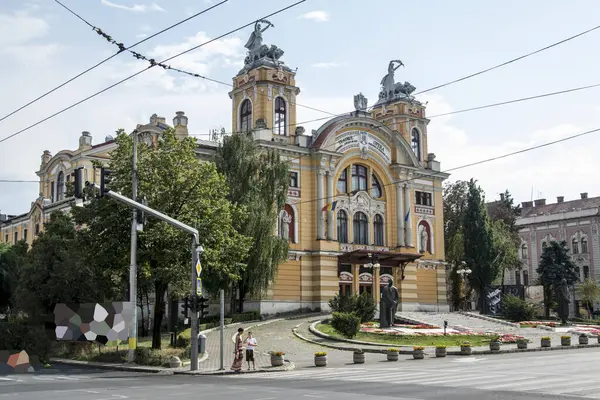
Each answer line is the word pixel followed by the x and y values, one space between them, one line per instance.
pixel 133 266
pixel 196 249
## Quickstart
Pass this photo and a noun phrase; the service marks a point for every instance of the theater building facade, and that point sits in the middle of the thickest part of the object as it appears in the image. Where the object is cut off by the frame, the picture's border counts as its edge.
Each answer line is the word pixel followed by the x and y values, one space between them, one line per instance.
pixel 365 199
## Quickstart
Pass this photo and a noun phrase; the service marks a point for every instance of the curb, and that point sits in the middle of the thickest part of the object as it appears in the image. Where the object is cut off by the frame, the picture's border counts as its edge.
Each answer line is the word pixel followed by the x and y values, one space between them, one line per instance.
pixel 108 366
pixel 489 319
pixel 290 367
pixel 312 329
pixel 344 348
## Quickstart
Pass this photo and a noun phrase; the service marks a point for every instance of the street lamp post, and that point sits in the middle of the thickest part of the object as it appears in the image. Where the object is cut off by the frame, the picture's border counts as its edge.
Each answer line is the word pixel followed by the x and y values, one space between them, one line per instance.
pixel 373 264
pixel 464 272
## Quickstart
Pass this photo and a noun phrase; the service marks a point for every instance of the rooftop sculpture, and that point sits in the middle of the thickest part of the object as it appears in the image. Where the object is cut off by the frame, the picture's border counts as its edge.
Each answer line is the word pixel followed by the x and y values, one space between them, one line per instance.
pixel 392 90
pixel 259 53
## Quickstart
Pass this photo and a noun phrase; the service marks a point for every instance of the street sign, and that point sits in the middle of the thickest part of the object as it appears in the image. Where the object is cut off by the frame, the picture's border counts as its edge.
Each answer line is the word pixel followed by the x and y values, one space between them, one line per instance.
pixel 199 286
pixel 198 268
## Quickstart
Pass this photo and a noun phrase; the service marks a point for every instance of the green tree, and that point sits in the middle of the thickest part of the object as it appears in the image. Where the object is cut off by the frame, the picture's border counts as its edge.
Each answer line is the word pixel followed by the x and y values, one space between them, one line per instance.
pixel 12 259
pixel 589 292
pixel 174 181
pixel 55 271
pixel 555 264
pixel 505 248
pixel 258 180
pixel 478 243
pixel 455 205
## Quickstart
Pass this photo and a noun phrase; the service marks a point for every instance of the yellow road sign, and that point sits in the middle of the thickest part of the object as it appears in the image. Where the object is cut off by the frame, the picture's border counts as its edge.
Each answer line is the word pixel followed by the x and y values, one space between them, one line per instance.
pixel 198 268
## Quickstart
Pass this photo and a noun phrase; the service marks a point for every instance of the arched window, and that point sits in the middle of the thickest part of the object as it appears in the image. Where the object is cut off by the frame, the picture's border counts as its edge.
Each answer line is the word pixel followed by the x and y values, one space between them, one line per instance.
pixel 415 139
pixel 246 116
pixel 575 246
pixel 361 228
pixel 375 187
pixel 525 278
pixel 378 230
pixel 60 186
pixel 524 251
pixel 586 272
pixel 584 246
pixel 578 273
pixel 342 184
pixel 342 226
pixel 518 278
pixel 359 178
pixel 280 125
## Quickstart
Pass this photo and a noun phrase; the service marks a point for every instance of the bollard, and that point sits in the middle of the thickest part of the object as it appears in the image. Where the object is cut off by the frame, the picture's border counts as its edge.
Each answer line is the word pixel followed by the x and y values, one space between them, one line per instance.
pixel 201 344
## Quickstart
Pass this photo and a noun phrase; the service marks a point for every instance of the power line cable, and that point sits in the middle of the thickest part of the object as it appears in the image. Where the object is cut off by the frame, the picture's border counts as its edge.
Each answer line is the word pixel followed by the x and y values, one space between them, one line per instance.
pixel 509 61
pixel 140 72
pixel 121 49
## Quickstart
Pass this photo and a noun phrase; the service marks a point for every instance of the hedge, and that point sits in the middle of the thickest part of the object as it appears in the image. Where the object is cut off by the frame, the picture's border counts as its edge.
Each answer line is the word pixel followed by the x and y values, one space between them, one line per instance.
pixel 33 339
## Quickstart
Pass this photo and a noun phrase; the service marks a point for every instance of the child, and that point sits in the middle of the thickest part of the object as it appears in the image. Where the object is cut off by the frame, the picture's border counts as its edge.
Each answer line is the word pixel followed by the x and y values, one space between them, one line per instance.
pixel 251 343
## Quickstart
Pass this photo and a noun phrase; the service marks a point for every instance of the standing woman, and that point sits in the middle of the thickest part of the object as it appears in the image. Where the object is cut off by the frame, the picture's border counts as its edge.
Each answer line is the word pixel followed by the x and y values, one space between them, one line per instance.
pixel 239 352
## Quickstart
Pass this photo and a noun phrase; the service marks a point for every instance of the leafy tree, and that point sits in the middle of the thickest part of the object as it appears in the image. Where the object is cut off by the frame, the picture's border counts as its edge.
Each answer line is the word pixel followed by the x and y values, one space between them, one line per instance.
pixel 455 204
pixel 174 181
pixel 505 248
pixel 55 271
pixel 12 259
pixel 478 242
pixel 589 292
pixel 555 264
pixel 258 180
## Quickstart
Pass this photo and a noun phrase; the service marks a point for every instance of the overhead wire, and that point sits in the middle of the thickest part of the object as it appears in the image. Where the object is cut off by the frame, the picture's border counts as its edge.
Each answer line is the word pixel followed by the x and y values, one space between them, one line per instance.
pixel 121 49
pixel 146 69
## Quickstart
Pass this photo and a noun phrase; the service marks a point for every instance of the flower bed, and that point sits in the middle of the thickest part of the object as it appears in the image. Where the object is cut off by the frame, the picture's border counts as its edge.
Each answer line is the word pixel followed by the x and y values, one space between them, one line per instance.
pixel 535 324
pixel 405 326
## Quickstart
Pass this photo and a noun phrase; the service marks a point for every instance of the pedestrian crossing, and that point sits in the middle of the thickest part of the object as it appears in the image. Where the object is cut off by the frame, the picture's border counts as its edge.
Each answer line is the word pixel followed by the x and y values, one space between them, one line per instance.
pixel 550 383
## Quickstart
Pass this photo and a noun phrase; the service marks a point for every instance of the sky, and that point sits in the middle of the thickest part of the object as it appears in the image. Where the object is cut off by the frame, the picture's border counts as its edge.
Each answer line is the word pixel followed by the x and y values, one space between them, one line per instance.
pixel 341 48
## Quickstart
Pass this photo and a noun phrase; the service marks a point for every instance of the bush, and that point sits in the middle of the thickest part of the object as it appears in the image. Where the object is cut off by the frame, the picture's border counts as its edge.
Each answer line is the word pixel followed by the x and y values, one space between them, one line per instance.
pixel 365 307
pixel 343 303
pixel 516 309
pixel 245 316
pixel 347 324
pixel 18 336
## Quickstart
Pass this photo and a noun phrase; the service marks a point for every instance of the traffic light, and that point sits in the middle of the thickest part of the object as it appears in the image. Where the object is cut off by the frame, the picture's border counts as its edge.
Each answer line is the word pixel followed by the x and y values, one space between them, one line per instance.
pixel 105 180
pixel 79 183
pixel 202 307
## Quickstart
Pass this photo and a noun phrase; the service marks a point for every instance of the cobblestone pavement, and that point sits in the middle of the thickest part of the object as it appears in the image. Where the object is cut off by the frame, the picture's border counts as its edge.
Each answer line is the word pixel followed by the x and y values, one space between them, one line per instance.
pixel 479 325
pixel 273 336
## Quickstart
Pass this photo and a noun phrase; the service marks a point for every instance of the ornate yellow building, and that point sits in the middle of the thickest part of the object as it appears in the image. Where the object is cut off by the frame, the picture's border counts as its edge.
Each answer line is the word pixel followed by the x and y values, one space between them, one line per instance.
pixel 363 189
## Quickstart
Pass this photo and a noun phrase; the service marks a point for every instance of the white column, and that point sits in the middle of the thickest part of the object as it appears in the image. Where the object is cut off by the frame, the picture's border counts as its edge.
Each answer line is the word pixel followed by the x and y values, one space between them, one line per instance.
pixel 330 214
pixel 407 210
pixel 400 214
pixel 320 205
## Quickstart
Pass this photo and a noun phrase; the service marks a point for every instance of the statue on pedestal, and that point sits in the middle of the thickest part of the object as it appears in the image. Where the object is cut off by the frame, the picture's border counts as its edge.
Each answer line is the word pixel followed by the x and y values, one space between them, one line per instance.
pixel 286 219
pixel 388 305
pixel 564 299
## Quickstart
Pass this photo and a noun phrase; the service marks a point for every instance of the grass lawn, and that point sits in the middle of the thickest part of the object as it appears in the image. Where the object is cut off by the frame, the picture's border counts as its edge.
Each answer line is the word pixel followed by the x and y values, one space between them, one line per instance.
pixel 410 340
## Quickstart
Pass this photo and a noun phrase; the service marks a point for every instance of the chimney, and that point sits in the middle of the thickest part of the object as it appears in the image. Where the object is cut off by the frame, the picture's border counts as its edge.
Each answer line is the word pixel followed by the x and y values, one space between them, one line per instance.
pixel 540 202
pixel 501 196
pixel 560 199
pixel 527 204
pixel 85 140
pixel 584 195
pixel 180 123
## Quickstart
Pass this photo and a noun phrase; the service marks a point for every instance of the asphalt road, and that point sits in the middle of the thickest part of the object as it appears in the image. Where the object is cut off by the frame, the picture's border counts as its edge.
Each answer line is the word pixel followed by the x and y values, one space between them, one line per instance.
pixel 564 374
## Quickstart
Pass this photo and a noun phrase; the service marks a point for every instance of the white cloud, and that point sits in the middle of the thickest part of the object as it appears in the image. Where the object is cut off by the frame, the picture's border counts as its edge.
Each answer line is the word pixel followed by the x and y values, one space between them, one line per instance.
pixel 134 8
pixel 317 16
pixel 327 65
pixel 548 170
pixel 20 34
pixel 141 35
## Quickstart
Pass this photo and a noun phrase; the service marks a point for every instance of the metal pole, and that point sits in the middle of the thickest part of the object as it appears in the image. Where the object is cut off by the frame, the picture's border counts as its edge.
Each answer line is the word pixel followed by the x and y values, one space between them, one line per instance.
pixel 222 333
pixel 194 317
pixel 133 266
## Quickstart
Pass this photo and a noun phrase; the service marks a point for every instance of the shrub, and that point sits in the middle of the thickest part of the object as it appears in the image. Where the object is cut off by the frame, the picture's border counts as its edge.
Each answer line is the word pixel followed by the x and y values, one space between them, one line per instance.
pixel 244 317
pixel 365 307
pixel 358 351
pixel 545 337
pixel 393 350
pixel 148 356
pixel 440 346
pixel 184 339
pixel 516 309
pixel 320 354
pixel 347 324
pixel 18 336
pixel 343 303
pixel 278 353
